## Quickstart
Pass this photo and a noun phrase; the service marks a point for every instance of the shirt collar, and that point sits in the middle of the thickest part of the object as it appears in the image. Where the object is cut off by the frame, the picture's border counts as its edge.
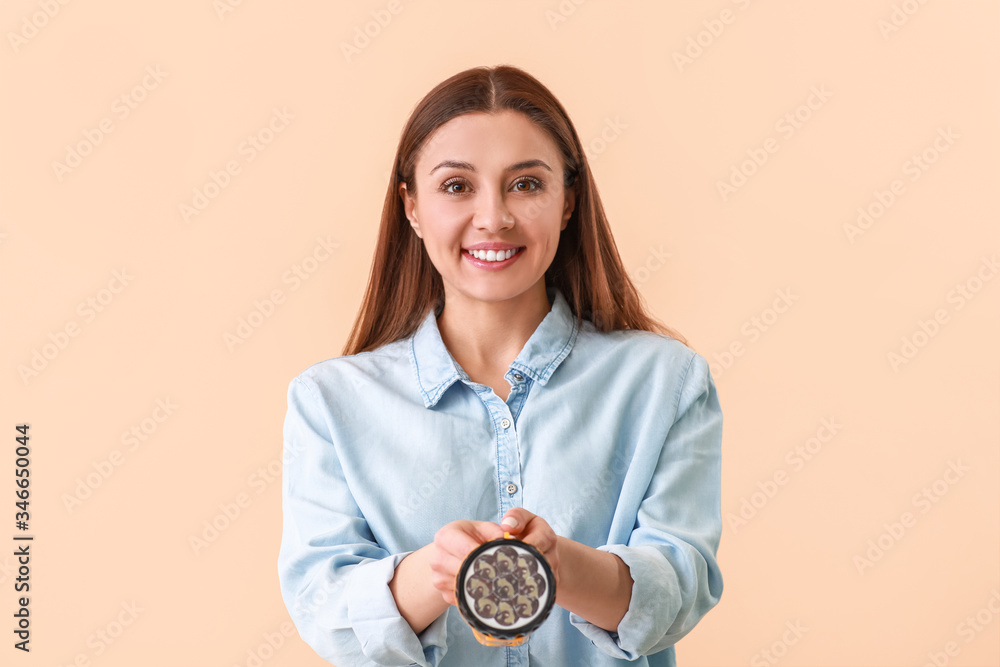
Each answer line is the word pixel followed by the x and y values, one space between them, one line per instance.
pixel 551 342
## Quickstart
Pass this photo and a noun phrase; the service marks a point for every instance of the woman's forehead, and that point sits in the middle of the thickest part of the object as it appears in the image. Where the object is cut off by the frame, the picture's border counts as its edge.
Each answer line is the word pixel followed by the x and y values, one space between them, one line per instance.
pixel 487 140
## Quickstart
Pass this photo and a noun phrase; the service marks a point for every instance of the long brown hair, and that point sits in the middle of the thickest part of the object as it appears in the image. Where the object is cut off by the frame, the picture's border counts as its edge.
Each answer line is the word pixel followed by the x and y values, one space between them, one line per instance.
pixel 587 269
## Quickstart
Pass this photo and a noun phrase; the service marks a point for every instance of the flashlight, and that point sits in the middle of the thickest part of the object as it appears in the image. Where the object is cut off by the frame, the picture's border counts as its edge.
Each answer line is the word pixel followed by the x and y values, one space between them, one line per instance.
pixel 504 590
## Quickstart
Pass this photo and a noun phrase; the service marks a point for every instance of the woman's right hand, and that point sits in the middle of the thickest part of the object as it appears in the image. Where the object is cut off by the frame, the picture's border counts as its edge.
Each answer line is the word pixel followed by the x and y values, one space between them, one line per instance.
pixel 452 543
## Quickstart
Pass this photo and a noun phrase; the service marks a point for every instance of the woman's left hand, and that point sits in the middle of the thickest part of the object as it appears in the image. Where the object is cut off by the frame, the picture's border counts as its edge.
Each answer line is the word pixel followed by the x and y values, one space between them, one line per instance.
pixel 534 530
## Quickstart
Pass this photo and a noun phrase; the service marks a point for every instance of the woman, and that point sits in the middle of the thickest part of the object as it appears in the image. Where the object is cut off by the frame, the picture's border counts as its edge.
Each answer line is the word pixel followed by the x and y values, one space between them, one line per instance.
pixel 502 375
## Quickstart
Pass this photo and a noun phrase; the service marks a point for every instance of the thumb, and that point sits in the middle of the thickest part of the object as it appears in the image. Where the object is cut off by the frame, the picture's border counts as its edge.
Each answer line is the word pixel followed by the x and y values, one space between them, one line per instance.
pixel 487 530
pixel 515 520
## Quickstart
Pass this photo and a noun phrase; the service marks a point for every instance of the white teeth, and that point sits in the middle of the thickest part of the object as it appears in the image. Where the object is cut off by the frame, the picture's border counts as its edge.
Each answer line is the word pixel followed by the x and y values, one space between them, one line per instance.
pixel 494 255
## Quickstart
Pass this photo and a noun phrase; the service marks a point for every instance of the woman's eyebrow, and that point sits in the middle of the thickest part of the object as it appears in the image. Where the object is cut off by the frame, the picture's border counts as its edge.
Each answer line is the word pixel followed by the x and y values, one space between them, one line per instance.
pixel 458 164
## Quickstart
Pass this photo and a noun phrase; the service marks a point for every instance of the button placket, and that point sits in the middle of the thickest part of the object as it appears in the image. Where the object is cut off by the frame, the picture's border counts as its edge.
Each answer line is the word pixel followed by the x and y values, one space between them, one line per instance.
pixel 508 455
pixel 517 656
pixel 515 388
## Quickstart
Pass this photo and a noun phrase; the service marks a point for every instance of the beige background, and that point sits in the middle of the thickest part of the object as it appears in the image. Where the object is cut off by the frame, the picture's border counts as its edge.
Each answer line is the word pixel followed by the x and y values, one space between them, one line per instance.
pixel 885 80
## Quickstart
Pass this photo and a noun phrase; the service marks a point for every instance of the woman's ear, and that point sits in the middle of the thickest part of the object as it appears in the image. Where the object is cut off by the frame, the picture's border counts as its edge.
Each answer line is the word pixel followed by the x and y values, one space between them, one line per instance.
pixel 568 205
pixel 409 206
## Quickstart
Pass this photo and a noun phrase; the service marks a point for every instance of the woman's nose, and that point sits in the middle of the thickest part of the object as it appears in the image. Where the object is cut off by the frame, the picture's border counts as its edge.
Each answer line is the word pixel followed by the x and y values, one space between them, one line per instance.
pixel 492 214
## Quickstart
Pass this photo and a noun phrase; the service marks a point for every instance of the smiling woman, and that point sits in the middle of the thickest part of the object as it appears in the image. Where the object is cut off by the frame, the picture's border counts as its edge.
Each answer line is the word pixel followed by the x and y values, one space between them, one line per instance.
pixel 466 215
pixel 502 367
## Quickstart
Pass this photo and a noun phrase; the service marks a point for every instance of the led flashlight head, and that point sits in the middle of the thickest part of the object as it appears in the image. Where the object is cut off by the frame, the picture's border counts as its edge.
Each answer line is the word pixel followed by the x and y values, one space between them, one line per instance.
pixel 504 589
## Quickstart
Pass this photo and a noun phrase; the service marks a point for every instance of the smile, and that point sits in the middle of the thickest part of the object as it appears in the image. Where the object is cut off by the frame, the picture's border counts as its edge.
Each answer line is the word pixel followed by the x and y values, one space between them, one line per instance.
pixel 492 260
pixel 493 255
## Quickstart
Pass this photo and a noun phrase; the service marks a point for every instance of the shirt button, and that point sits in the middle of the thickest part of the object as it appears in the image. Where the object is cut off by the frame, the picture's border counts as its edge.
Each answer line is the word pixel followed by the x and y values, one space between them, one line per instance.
pixel 505 423
pixel 511 488
pixel 518 377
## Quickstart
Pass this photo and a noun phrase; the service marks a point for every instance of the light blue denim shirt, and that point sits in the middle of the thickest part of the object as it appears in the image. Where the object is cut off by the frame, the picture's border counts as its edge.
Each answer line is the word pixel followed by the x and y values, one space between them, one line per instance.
pixel 613 438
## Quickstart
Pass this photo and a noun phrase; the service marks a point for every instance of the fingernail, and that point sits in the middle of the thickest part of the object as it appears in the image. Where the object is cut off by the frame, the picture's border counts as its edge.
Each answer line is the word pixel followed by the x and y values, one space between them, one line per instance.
pixel 510 522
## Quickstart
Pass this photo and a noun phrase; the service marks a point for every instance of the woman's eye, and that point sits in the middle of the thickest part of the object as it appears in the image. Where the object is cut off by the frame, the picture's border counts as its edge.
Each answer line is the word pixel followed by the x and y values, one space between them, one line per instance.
pixel 529 182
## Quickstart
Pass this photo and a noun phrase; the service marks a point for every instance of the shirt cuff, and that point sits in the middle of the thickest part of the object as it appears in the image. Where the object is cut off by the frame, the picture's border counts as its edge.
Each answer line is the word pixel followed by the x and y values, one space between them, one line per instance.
pixel 383 633
pixel 654 601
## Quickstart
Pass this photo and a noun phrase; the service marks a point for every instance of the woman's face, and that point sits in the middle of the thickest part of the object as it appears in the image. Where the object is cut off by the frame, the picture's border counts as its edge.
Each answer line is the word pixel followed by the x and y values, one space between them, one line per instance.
pixel 489 182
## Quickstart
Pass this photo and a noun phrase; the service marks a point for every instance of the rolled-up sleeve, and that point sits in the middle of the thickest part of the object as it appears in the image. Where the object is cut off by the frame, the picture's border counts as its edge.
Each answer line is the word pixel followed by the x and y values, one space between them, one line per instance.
pixel 671 551
pixel 334 576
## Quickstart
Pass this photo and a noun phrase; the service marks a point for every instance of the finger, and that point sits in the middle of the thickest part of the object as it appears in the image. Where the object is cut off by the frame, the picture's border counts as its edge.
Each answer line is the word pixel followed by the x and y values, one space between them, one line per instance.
pixel 461 538
pixel 538 533
pixel 454 541
pixel 515 520
pixel 540 541
pixel 448 595
pixel 442 582
pixel 487 530
pixel 446 564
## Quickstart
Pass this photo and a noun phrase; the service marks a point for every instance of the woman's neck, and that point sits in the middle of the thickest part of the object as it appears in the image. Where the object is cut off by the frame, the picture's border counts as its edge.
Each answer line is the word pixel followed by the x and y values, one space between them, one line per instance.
pixel 484 335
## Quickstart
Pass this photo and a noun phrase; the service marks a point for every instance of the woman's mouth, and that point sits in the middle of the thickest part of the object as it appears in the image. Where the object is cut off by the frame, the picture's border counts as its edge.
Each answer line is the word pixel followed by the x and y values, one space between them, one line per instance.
pixel 494 255
pixel 492 259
